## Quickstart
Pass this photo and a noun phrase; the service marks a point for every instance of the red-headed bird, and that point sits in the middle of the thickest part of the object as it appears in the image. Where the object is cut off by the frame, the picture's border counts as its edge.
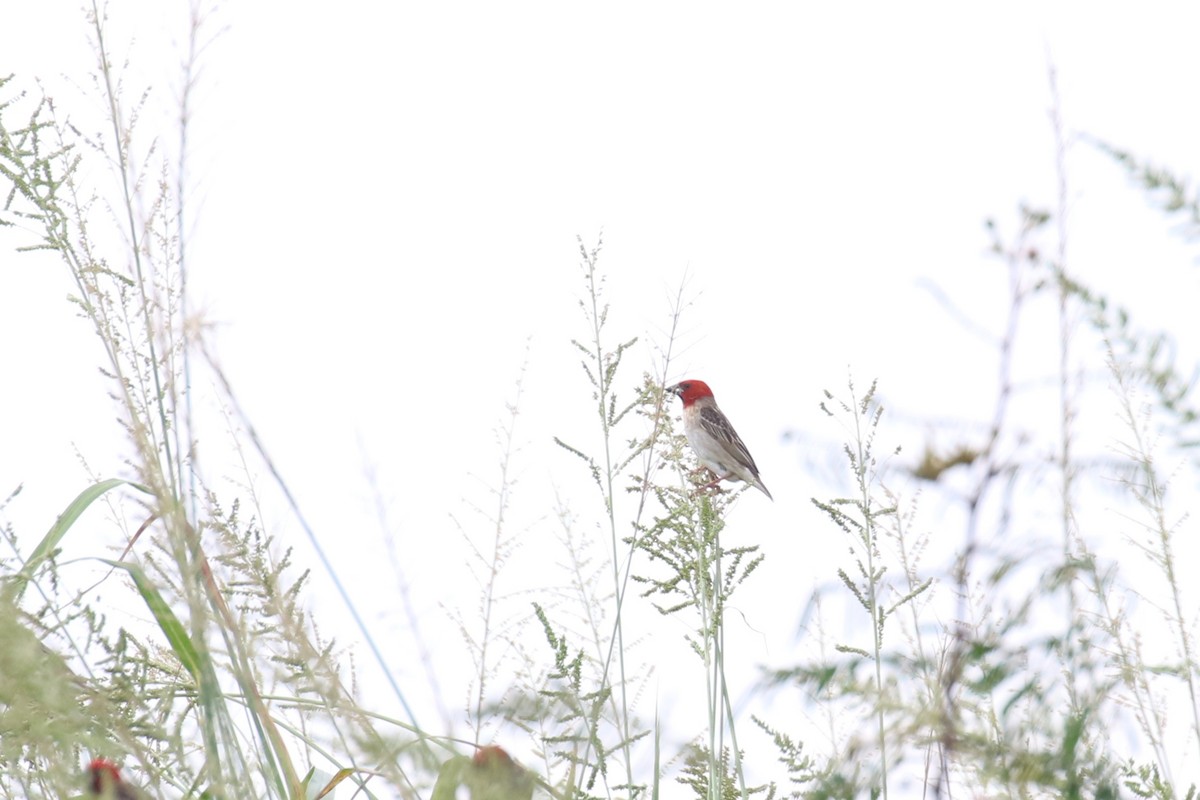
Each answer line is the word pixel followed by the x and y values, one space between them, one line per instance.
pixel 716 443
pixel 495 776
pixel 106 783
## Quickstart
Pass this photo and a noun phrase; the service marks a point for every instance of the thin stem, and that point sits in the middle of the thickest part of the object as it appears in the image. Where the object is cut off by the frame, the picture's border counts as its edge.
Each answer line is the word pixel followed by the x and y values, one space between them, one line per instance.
pixel 988 457
pixel 597 316
pixel 719 641
pixel 136 254
pixel 1065 394
pixel 869 535
pixel 489 600
pixel 621 578
pixel 711 675
pixel 1152 496
pixel 185 115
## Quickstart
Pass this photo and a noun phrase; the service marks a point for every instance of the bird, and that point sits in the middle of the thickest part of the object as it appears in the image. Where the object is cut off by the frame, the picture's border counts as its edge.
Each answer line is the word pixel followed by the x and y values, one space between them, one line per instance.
pixel 106 783
pixel 493 775
pixel 713 438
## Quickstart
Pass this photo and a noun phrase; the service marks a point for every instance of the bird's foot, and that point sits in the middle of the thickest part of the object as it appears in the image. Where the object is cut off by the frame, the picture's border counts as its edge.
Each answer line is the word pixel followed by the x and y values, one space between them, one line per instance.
pixel 713 487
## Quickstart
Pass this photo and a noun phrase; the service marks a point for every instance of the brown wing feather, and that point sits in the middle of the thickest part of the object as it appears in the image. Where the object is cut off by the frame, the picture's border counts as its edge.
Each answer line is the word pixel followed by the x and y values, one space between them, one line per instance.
pixel 717 425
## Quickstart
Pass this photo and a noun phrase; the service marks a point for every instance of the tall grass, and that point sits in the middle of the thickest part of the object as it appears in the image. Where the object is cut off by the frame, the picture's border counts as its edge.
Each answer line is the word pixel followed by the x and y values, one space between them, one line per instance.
pixel 228 685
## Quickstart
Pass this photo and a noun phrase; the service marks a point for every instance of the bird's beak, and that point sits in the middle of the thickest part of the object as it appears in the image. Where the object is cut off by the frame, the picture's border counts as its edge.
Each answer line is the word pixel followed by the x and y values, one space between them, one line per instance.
pixel 673 390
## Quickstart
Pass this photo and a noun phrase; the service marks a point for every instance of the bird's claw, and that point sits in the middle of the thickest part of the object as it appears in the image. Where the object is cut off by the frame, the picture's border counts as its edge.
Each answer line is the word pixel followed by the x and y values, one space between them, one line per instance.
pixel 712 487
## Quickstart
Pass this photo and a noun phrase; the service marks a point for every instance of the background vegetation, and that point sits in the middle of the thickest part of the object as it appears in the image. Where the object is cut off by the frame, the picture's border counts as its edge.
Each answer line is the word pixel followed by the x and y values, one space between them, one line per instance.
pixel 1025 625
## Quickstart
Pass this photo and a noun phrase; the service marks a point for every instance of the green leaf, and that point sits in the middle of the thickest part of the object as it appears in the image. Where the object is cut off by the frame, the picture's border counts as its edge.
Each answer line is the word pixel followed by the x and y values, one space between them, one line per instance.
pixel 341 775
pixel 50 542
pixel 170 625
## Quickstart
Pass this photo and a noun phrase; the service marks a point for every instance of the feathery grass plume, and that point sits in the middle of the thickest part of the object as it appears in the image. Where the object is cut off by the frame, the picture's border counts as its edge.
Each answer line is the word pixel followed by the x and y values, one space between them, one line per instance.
pixel 701 576
pixel 859 518
pixel 601 365
pixel 496 641
pixel 799 767
pixel 696 776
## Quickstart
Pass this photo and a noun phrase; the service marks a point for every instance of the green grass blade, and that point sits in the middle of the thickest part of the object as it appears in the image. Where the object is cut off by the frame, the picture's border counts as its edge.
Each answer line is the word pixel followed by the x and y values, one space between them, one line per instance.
pixel 50 542
pixel 170 625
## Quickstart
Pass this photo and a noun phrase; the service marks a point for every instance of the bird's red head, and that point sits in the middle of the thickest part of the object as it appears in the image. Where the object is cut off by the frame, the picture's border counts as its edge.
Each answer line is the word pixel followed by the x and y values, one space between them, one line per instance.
pixel 105 775
pixel 491 755
pixel 690 391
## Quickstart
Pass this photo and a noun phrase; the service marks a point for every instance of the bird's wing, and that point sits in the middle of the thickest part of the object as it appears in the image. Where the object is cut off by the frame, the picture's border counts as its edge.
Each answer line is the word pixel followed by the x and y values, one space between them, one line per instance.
pixel 716 424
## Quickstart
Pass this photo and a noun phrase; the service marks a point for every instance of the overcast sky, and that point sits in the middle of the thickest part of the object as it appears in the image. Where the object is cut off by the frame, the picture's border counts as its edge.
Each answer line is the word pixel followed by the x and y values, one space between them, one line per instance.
pixel 384 200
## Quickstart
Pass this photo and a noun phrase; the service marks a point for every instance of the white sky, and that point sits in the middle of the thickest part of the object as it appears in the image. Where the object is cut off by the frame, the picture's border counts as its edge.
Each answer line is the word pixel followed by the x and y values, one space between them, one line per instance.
pixel 385 204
